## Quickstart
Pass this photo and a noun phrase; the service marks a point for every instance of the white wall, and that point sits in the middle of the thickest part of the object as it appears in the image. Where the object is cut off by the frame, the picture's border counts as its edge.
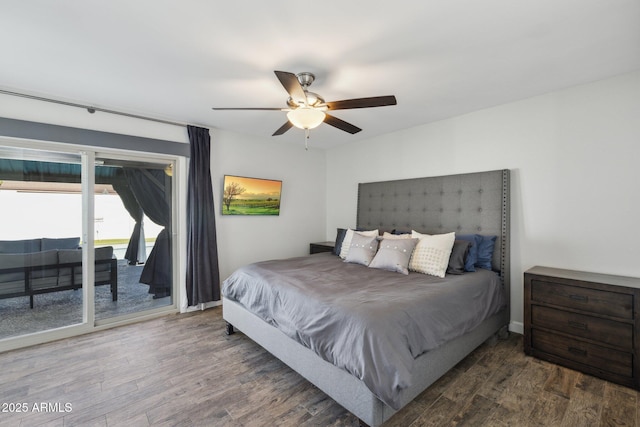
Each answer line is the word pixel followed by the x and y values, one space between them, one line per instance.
pixel 574 160
pixel 245 239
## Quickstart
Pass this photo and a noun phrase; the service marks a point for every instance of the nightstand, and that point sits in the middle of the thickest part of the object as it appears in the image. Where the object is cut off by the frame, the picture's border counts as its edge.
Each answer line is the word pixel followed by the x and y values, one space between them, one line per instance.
pixel 584 321
pixel 319 247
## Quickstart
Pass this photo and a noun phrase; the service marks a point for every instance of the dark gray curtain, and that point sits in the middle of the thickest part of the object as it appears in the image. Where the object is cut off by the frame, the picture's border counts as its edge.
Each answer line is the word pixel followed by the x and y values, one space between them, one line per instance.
pixel 203 276
pixel 135 210
pixel 152 190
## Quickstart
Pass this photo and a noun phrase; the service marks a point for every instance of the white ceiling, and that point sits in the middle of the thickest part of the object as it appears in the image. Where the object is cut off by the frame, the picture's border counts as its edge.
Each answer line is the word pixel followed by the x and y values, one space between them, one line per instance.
pixel 441 58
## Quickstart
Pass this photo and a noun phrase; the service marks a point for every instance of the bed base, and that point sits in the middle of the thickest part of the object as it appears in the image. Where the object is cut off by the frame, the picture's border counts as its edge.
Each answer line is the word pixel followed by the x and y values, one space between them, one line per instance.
pixel 344 388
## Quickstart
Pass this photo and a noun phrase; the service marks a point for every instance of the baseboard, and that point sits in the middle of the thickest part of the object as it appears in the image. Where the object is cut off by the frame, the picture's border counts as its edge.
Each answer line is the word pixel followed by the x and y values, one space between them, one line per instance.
pixel 516 327
pixel 203 306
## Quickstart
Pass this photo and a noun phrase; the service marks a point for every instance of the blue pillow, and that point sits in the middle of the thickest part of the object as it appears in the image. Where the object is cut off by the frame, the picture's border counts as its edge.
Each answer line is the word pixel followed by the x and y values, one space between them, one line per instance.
pixel 472 256
pixel 485 251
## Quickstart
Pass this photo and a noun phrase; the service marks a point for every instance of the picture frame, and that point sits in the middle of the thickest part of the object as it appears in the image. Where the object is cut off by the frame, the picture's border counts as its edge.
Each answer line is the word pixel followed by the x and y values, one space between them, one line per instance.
pixel 243 195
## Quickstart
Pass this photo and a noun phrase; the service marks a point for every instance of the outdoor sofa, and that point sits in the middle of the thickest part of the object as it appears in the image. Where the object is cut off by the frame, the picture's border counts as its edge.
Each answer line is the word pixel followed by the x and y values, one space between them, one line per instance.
pixel 37 266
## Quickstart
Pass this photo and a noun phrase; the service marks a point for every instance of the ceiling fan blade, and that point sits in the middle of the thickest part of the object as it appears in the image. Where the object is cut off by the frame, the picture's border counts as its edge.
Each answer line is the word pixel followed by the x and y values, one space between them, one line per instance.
pixel 282 129
pixel 341 124
pixel 233 108
pixel 375 101
pixel 291 85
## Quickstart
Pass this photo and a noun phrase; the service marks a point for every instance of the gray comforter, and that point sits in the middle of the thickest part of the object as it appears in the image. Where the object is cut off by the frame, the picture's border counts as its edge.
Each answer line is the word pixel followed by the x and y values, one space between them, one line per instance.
pixel 371 323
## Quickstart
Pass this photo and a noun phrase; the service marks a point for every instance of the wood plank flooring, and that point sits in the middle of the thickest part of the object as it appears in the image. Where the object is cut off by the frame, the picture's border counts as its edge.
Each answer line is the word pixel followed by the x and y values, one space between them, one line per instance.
pixel 182 370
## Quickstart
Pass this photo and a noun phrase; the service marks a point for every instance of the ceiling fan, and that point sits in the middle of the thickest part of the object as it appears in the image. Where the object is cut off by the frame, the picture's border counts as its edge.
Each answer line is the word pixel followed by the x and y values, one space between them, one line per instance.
pixel 307 110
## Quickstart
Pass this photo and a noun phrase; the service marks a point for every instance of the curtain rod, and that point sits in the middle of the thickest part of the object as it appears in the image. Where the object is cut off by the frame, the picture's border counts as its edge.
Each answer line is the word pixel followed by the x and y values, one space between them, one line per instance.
pixel 90 108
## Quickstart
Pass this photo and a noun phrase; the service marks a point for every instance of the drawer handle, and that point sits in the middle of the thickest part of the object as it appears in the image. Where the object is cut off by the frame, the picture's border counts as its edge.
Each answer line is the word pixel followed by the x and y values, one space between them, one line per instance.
pixel 581 298
pixel 578 325
pixel 578 351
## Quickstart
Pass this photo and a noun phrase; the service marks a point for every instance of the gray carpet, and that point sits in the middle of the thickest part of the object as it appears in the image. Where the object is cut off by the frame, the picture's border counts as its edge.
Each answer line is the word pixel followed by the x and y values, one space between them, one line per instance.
pixel 57 309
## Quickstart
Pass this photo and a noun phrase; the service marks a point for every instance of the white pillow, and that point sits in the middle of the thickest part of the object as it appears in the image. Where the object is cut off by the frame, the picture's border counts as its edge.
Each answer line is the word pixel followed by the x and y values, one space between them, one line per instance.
pixel 387 235
pixel 346 242
pixel 431 255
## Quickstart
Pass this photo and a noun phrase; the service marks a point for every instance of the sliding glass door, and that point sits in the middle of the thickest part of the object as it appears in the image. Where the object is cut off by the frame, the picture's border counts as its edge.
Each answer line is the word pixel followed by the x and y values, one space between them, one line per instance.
pixel 72 219
pixel 40 226
pixel 133 223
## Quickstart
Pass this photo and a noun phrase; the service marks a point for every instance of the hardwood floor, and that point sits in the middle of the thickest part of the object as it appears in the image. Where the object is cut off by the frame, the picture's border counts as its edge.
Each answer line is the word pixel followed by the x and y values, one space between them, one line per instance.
pixel 182 370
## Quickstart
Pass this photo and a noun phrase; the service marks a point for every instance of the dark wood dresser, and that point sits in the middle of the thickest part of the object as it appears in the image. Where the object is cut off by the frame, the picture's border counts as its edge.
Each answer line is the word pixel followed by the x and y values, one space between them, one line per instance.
pixel 584 321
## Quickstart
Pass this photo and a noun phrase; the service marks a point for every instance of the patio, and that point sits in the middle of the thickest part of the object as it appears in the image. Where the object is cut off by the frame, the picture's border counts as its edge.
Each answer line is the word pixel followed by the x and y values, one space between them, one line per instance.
pixel 64 308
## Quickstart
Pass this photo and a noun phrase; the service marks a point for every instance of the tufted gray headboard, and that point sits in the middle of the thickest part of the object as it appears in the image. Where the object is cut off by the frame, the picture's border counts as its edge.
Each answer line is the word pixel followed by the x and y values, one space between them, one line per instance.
pixel 473 203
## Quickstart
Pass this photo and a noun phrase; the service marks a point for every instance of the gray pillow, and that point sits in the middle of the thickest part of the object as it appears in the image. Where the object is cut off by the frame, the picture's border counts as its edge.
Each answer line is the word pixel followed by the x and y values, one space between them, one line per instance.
pixel 394 255
pixel 458 257
pixel 49 258
pixel 362 249
pixel 105 252
pixel 12 261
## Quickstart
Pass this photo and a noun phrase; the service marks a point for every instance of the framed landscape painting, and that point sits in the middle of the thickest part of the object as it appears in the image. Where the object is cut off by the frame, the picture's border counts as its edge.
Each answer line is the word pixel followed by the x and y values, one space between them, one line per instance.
pixel 250 196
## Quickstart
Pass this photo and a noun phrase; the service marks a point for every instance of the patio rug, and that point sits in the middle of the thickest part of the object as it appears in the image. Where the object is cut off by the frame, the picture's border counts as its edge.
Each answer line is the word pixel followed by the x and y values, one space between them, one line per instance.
pixel 64 308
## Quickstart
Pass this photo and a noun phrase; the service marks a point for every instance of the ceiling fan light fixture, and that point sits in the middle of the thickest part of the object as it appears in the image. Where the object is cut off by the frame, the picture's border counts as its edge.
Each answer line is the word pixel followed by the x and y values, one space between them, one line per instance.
pixel 307 110
pixel 306 117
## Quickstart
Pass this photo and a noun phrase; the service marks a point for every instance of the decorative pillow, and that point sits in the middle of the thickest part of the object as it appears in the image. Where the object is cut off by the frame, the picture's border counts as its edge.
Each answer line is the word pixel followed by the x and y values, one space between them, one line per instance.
pixel 363 249
pixel 472 257
pixel 387 235
pixel 346 242
pixel 458 256
pixel 339 239
pixel 431 255
pixel 485 251
pixel 394 254
pixel 42 258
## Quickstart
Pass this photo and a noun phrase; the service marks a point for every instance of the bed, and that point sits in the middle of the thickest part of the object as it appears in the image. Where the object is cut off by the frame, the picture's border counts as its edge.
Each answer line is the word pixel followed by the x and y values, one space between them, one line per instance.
pixel 476 203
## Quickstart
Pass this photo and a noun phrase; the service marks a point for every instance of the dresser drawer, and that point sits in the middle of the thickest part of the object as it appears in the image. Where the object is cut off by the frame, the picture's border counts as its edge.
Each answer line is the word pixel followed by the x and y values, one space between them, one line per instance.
pixel 592 300
pixel 597 329
pixel 601 358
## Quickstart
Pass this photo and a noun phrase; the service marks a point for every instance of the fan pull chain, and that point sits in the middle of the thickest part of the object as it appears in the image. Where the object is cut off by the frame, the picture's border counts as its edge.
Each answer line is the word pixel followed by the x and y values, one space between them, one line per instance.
pixel 306 139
